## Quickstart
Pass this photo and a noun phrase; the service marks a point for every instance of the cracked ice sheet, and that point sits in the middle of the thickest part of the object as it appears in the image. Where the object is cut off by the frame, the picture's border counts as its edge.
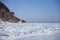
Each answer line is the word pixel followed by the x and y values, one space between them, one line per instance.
pixel 24 30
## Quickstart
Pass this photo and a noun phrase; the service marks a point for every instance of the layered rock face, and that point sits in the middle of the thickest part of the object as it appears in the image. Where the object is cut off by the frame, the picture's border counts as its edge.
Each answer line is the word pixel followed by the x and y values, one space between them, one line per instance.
pixel 7 16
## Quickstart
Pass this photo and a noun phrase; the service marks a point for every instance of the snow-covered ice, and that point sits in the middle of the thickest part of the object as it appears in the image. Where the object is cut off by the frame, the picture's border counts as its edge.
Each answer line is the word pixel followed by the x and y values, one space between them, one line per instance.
pixel 30 31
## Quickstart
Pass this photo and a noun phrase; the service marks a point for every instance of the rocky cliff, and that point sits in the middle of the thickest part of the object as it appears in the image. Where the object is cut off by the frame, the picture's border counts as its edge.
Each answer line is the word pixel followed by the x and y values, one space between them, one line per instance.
pixel 7 16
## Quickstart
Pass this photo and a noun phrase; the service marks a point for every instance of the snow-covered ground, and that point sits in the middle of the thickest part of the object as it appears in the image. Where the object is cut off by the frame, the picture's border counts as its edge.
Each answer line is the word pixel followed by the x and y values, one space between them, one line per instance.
pixel 30 31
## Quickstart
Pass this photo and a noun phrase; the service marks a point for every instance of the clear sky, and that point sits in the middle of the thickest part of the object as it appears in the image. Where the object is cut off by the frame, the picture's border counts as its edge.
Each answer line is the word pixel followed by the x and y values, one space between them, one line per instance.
pixel 35 10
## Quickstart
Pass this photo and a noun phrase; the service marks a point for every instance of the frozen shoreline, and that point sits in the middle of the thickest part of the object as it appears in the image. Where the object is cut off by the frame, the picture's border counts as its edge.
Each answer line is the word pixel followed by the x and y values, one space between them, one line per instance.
pixel 25 31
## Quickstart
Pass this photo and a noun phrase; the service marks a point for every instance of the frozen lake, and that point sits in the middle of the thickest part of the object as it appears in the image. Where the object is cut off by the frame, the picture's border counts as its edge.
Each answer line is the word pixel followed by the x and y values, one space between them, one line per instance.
pixel 30 31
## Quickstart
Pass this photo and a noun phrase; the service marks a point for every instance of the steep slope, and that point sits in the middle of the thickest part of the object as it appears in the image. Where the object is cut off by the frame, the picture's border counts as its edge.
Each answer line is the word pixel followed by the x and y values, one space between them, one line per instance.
pixel 6 15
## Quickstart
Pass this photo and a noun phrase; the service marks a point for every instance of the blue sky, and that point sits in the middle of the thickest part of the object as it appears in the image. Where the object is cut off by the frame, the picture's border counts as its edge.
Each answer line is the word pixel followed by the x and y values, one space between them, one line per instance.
pixel 35 10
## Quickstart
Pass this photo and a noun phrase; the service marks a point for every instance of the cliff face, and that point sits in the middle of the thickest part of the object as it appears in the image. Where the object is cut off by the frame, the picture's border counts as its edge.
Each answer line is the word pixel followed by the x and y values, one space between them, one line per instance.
pixel 6 15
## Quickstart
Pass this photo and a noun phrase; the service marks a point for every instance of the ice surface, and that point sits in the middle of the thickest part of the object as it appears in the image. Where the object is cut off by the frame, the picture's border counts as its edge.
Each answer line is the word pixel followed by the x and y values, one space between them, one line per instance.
pixel 29 31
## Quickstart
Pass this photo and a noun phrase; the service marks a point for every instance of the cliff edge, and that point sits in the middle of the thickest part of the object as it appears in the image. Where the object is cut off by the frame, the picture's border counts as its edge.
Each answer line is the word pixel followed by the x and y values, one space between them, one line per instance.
pixel 7 16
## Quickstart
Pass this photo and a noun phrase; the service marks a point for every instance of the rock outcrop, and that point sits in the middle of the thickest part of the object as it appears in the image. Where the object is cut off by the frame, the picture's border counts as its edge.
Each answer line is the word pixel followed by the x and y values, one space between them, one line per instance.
pixel 7 16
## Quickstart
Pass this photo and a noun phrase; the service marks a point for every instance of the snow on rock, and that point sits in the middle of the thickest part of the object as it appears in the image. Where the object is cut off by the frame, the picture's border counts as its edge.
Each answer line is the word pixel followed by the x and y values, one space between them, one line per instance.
pixel 11 31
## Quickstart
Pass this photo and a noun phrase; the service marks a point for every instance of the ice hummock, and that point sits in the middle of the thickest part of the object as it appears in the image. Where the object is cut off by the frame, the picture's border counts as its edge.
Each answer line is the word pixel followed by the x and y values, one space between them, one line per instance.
pixel 14 31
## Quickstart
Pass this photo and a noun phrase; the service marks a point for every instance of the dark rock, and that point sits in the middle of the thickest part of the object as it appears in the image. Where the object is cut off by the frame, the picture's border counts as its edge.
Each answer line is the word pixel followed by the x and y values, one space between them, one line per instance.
pixel 6 15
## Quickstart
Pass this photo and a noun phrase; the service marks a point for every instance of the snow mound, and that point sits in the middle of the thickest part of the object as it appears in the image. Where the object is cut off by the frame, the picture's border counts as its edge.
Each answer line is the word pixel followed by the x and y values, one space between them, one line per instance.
pixel 11 31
